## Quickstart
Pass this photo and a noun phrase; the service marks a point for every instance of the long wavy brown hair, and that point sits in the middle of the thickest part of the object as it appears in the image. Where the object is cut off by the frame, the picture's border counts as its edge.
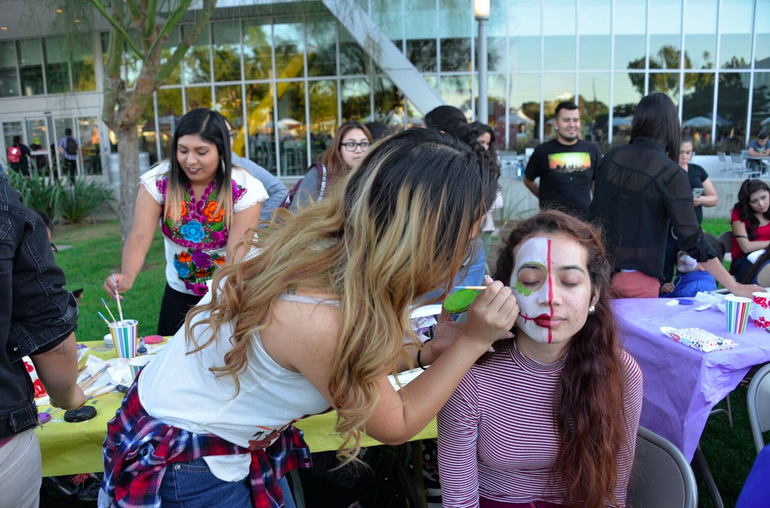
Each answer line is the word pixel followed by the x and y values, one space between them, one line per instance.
pixel 332 158
pixel 399 227
pixel 588 411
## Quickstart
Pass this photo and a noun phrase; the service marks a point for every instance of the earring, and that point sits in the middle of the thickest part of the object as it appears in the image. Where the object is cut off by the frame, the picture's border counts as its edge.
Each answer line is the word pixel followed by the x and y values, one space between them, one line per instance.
pixel 591 309
pixel 223 165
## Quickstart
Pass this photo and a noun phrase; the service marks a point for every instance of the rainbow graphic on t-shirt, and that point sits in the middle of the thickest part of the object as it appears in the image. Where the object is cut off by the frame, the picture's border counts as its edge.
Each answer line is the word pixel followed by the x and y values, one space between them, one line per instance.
pixel 569 162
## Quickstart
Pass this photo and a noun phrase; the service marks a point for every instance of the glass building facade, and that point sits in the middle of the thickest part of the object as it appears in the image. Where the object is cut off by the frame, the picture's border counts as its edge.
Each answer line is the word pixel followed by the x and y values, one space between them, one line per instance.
pixel 286 82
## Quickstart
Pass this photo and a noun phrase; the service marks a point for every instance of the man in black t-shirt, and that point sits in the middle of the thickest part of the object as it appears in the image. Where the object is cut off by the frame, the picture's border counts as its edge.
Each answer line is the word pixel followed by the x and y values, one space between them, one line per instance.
pixel 565 166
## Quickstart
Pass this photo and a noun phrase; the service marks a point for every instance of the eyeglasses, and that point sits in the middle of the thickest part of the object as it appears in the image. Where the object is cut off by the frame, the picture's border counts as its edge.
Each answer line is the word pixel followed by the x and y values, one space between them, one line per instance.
pixel 54 248
pixel 351 146
pixel 232 135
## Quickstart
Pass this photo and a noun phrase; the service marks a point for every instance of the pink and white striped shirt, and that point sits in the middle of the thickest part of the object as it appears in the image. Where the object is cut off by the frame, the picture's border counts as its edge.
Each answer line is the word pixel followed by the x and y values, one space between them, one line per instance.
pixel 497 437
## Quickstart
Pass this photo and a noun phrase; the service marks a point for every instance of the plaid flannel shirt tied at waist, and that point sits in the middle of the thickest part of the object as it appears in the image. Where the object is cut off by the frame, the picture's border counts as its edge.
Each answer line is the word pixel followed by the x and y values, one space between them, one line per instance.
pixel 138 448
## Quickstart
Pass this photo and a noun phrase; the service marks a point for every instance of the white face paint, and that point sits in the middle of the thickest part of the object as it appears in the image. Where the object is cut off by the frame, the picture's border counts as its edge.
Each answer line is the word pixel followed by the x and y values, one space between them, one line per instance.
pixel 532 284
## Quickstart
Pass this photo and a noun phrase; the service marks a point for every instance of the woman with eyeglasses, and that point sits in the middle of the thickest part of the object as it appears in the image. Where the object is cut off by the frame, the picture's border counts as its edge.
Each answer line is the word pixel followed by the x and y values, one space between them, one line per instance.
pixel 350 143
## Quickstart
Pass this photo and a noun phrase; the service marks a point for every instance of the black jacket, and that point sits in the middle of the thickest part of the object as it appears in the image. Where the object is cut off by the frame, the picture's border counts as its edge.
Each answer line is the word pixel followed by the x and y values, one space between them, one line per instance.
pixel 36 312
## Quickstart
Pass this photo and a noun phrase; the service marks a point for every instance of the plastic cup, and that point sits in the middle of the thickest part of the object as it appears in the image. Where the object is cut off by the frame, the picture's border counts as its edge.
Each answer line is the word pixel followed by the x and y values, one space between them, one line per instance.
pixel 737 312
pixel 124 334
pixel 138 364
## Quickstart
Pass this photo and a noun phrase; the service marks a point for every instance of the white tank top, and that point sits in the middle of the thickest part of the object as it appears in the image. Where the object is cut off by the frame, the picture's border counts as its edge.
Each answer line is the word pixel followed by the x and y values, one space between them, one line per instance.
pixel 180 390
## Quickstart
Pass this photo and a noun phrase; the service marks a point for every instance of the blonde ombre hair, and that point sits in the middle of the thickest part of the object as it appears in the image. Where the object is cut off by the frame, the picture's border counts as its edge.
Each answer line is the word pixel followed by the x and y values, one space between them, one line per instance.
pixel 211 127
pixel 398 226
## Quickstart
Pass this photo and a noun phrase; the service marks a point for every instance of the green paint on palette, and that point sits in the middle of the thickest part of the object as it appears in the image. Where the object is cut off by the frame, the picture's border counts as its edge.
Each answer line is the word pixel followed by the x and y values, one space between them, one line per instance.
pixel 460 301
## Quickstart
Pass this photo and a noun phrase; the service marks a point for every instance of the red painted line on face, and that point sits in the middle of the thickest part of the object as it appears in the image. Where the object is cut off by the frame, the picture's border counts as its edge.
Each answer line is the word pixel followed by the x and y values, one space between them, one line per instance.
pixel 550 291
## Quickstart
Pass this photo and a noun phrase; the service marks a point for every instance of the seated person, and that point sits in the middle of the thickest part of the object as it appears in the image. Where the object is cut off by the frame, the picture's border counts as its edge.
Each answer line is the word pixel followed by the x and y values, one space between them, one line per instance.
pixel 759 147
pixel 760 272
pixel 750 223
pixel 549 417
pixel 691 276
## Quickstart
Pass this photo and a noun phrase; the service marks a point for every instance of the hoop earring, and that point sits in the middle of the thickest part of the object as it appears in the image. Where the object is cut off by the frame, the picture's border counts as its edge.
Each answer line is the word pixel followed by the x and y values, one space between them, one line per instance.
pixel 223 165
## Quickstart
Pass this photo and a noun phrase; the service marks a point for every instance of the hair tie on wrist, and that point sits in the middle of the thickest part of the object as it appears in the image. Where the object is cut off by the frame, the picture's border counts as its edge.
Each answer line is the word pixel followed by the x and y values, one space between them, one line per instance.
pixel 419 352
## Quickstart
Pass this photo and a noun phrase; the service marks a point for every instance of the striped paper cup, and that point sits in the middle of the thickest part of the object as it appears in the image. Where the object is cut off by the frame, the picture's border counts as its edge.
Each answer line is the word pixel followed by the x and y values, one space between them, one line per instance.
pixel 737 311
pixel 125 337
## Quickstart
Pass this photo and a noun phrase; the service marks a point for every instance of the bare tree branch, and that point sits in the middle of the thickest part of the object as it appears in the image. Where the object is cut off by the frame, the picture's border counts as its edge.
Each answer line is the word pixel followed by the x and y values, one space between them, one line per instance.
pixel 184 45
pixel 117 26
pixel 151 8
pixel 171 22
pixel 140 18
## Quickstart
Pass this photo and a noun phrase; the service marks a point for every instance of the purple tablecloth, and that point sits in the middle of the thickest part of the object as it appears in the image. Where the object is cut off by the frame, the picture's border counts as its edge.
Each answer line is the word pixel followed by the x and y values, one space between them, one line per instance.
pixel 682 385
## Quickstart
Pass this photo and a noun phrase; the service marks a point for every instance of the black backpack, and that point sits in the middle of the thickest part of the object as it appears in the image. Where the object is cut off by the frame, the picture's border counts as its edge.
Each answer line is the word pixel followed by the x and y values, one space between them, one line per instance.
pixel 72 146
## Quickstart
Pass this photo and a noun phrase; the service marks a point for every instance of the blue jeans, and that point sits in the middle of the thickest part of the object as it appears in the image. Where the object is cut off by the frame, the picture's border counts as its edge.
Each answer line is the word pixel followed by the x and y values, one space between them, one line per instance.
pixel 192 485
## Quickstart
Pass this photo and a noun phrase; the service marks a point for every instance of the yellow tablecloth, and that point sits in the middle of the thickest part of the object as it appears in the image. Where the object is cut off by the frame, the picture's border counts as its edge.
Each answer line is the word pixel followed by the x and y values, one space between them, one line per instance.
pixel 73 448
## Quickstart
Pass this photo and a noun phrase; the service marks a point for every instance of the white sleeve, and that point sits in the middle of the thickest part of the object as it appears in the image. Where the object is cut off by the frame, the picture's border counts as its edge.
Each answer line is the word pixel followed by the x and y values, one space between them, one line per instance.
pixel 150 181
pixel 254 190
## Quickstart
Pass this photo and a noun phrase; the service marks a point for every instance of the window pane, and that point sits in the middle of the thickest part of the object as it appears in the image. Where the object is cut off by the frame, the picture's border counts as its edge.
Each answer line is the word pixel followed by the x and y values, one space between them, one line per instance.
pixel 387 15
pixel 496 37
pixel 762 46
pixel 496 107
pixel 230 105
pixel 389 104
pixel 524 115
pixel 556 88
pixel 197 65
pixel 289 48
pixel 559 34
pixel 60 126
pixel 165 53
pixel 57 70
pixel 257 54
pixel 732 107
pixel 666 33
pixel 36 133
pixel 147 135
pixel 594 32
pixel 353 59
pixel 198 97
pixel 421 47
pixel 760 103
pixel 169 112
pixel 355 96
pixel 9 79
pixel 455 32
pixel 524 32
pixel 259 105
pixel 667 83
pixel 88 129
pixel 322 46
pixel 11 129
pixel 630 43
pixel 735 27
pixel 227 52
pixel 697 109
pixel 83 72
pixel 628 91
pixel 323 115
pixel 30 67
pixel 700 39
pixel 413 117
pixel 594 102
pixel 456 91
pixel 291 128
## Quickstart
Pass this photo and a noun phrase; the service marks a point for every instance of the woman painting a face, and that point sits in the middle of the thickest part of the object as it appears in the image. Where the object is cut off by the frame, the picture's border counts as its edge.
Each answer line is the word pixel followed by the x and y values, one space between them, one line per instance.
pixel 548 419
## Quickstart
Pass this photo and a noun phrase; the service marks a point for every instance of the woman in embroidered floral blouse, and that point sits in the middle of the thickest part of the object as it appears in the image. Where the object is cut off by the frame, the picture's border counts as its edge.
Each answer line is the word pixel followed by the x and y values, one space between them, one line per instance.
pixel 205 206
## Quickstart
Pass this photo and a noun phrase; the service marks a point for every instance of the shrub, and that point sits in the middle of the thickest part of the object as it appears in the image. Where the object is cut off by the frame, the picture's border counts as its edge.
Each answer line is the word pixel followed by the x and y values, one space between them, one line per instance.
pixel 81 198
pixel 40 192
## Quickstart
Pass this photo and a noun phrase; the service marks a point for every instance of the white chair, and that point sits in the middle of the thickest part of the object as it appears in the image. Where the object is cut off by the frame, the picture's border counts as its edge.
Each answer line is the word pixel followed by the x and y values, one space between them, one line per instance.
pixel 759 406
pixel 738 168
pixel 661 476
pixel 724 167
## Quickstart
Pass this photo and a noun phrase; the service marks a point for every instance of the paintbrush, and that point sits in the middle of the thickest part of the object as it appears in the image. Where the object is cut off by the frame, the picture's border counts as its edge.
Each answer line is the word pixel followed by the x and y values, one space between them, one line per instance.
pixel 117 298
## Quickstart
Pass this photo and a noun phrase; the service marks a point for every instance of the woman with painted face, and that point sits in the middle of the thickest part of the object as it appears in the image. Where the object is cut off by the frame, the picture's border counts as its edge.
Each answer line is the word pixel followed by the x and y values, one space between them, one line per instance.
pixel 205 205
pixel 549 419
pixel 750 221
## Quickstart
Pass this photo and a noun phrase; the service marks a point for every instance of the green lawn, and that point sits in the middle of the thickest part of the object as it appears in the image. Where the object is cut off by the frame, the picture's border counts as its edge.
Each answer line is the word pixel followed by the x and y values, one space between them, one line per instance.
pixel 96 253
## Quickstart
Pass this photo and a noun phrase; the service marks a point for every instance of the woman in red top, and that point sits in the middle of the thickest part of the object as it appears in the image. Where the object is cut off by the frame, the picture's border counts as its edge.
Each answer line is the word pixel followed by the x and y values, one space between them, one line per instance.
pixel 751 225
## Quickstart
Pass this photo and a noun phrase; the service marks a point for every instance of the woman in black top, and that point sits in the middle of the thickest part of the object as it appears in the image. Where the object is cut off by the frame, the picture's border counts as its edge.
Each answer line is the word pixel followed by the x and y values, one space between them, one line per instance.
pixel 699 179
pixel 639 189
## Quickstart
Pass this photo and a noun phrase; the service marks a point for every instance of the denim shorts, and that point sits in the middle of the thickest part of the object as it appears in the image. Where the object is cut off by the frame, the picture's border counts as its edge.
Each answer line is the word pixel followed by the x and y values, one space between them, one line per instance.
pixel 192 485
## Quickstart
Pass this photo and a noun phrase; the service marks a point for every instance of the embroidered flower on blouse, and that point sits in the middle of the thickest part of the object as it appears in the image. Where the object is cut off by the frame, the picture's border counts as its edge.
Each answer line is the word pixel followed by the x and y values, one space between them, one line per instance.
pixel 218 236
pixel 185 257
pixel 211 212
pixel 192 231
pixel 181 269
pixel 201 259
pixel 184 209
